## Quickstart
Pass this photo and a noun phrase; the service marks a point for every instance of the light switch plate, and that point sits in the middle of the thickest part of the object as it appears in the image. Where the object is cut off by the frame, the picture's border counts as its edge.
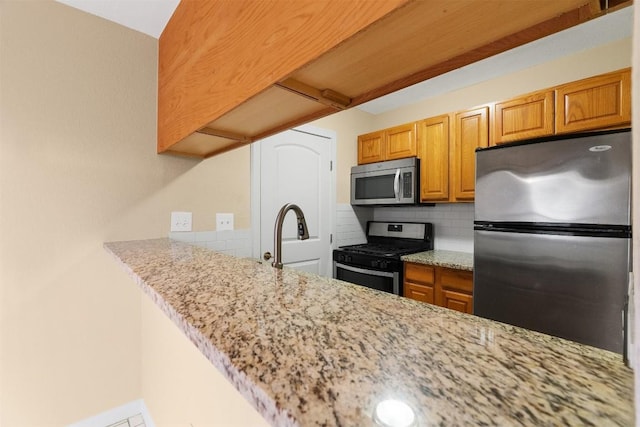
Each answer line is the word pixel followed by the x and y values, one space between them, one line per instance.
pixel 181 221
pixel 224 221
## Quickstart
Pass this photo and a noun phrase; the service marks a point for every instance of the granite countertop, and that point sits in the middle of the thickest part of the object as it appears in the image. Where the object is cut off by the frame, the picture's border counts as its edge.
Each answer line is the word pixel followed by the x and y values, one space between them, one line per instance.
pixel 438 258
pixel 311 351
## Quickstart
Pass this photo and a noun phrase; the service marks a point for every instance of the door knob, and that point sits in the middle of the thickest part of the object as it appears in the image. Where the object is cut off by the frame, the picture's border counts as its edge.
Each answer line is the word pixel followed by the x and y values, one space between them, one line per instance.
pixel 266 256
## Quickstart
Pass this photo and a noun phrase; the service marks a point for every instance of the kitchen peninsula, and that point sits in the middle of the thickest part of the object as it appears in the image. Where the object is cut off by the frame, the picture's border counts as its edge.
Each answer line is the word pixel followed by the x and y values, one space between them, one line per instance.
pixel 306 350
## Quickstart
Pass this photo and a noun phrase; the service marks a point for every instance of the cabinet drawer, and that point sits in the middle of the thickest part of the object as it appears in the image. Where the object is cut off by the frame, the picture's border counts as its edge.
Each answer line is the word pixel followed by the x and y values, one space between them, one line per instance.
pixel 458 280
pixel 419 292
pixel 419 273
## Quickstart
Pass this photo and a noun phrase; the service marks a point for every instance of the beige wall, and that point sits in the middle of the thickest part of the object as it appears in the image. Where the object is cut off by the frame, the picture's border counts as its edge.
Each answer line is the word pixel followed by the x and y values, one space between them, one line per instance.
pixel 347 125
pixel 610 57
pixel 78 167
pixel 180 386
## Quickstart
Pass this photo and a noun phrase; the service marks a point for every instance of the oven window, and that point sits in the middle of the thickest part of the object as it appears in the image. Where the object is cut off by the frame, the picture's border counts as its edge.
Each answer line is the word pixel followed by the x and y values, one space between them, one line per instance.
pixel 375 282
pixel 375 187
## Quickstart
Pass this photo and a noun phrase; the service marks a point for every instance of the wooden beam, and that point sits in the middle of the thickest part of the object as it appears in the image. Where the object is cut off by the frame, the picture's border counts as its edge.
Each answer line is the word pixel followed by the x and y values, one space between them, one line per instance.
pixel 225 149
pixel 325 96
pixel 535 32
pixel 225 134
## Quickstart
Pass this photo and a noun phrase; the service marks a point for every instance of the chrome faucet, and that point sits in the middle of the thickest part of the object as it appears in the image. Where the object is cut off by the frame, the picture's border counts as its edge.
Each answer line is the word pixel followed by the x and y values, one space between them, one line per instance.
pixel 303 233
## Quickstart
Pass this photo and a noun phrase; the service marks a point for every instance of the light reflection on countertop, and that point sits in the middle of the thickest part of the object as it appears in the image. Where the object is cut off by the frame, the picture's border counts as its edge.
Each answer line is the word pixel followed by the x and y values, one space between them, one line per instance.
pixel 307 350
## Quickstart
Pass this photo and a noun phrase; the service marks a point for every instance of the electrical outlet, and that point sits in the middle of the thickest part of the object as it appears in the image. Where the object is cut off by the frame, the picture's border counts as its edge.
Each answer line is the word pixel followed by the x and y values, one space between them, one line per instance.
pixel 224 221
pixel 181 221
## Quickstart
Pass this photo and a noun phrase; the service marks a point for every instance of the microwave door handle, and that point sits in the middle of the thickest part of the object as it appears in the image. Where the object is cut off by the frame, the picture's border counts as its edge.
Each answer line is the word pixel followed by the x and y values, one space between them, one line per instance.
pixel 396 184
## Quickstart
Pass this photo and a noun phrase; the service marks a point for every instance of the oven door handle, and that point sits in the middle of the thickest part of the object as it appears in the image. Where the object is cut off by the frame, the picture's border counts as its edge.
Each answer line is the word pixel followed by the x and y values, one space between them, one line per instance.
pixel 364 270
pixel 396 184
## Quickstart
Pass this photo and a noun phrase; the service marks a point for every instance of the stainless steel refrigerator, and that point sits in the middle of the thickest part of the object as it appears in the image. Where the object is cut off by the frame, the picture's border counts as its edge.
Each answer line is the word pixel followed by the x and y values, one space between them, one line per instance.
pixel 552 247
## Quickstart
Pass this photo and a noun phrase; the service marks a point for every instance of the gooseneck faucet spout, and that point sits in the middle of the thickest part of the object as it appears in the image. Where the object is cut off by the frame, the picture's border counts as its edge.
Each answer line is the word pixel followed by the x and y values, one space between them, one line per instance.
pixel 303 233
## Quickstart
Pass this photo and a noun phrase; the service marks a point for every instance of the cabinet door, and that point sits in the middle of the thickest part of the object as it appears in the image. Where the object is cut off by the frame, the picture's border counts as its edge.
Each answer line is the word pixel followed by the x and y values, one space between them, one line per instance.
pixel 454 289
pixel 471 132
pixel 597 102
pixel 433 151
pixel 419 282
pixel 401 142
pixel 371 147
pixel 525 117
pixel 457 301
pixel 419 292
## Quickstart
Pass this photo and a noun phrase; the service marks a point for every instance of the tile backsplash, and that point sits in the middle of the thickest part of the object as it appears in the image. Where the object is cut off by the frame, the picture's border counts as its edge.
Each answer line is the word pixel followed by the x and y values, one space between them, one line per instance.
pixel 235 242
pixel 453 228
pixel 351 224
pixel 452 222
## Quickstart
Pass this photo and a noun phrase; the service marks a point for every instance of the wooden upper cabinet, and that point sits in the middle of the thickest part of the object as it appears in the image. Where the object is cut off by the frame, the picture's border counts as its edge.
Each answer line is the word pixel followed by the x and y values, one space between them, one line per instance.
pixel 232 72
pixel 433 151
pixel 597 102
pixel 401 142
pixel 527 116
pixel 371 147
pixel 471 132
pixel 387 144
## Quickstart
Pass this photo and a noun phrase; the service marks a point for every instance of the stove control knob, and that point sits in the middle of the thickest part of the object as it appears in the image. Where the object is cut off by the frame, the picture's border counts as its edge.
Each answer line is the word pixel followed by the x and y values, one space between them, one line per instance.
pixel 348 258
pixel 340 258
pixel 384 264
pixel 375 263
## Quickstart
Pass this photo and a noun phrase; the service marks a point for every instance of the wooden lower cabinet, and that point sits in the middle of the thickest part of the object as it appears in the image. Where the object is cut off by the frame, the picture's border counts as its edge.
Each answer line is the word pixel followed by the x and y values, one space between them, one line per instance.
pixel 441 286
pixel 419 282
pixel 454 289
pixel 419 292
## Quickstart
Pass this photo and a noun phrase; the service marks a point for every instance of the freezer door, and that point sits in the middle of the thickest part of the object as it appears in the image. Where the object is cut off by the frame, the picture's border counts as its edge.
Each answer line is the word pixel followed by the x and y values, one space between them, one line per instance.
pixel 583 179
pixel 572 287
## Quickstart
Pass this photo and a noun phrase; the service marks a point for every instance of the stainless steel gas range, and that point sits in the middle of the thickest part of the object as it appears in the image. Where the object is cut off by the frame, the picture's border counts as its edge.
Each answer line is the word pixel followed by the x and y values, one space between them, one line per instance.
pixel 377 264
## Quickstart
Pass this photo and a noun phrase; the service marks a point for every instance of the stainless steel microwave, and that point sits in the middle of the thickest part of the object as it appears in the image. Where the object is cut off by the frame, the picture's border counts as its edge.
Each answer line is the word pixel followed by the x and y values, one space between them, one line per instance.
pixel 394 182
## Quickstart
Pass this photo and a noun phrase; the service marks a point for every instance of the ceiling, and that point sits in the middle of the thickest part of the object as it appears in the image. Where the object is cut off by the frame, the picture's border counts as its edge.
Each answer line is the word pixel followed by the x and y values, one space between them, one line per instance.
pixel 147 16
pixel 151 16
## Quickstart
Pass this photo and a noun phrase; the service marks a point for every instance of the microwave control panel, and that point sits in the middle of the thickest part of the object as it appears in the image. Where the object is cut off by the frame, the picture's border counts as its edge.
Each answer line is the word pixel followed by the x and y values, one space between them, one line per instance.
pixel 407 184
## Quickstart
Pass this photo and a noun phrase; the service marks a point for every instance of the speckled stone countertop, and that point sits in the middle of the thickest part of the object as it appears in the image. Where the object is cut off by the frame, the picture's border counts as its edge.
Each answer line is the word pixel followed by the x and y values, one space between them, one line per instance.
pixel 311 351
pixel 438 258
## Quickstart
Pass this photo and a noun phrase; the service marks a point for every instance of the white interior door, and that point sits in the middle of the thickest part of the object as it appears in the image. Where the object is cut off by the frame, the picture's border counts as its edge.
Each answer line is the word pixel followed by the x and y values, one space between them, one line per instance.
pixel 296 167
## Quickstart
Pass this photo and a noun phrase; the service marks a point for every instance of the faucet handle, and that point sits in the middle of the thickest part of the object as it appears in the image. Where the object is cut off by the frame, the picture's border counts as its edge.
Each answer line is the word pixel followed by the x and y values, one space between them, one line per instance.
pixel 266 256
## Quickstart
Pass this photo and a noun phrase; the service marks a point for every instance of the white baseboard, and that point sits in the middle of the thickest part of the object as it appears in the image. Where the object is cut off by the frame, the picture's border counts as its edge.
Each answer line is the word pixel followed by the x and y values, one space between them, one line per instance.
pixel 114 415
